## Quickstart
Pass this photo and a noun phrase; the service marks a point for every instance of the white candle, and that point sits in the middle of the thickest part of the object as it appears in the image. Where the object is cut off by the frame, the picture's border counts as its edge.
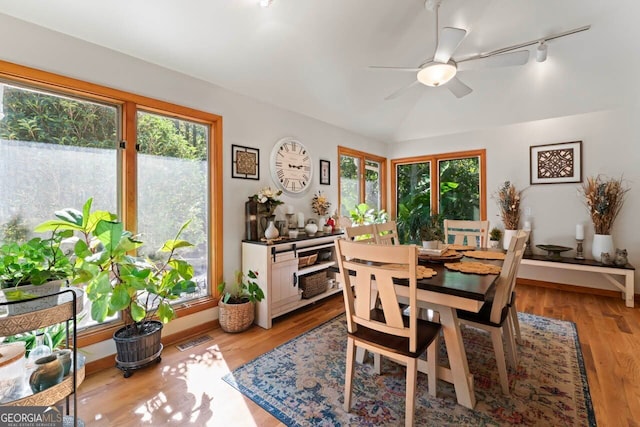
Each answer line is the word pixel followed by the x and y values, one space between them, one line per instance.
pixel 579 231
pixel 300 220
pixel 527 226
pixel 290 209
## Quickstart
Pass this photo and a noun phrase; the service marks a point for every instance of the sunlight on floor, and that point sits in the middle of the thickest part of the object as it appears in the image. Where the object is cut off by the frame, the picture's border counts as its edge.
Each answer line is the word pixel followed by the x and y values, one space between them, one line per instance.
pixel 207 399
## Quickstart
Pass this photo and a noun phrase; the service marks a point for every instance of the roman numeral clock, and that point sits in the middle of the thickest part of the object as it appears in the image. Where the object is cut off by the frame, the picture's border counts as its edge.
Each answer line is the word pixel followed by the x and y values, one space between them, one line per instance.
pixel 291 166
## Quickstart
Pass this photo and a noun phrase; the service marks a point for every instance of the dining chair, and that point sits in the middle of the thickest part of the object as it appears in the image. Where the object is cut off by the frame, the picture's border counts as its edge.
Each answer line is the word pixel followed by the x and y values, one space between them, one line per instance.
pixel 513 309
pixel 387 233
pixel 361 233
pixel 384 330
pixel 494 317
pixel 472 233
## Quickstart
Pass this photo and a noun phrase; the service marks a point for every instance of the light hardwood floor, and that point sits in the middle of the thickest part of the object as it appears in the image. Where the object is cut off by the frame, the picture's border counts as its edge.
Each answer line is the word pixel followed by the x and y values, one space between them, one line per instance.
pixel 186 389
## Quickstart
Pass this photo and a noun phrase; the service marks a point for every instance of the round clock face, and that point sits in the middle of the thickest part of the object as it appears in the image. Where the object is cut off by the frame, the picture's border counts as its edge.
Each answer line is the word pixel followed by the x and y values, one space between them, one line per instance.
pixel 291 166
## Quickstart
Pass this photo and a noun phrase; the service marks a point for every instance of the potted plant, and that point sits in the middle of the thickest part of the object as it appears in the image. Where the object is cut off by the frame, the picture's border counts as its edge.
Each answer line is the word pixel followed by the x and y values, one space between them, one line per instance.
pixel 34 268
pixel 118 281
pixel 494 237
pixel 431 232
pixel 237 302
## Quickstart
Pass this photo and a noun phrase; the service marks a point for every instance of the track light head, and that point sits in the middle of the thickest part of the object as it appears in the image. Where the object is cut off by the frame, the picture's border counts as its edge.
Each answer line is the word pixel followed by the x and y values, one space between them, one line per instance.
pixel 541 52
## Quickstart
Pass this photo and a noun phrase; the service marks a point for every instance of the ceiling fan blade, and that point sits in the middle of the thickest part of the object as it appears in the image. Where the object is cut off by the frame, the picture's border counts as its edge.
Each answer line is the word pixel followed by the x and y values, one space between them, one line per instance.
pixel 458 88
pixel 519 57
pixel 450 39
pixel 381 67
pixel 400 91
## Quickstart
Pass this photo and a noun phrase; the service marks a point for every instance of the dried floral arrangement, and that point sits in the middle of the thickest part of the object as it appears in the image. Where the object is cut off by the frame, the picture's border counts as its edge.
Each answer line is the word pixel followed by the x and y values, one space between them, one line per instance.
pixel 267 196
pixel 319 204
pixel 508 199
pixel 604 198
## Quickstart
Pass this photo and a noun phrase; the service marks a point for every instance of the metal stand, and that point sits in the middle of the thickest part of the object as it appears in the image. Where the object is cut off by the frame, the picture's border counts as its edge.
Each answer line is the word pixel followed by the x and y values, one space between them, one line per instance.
pixel 579 250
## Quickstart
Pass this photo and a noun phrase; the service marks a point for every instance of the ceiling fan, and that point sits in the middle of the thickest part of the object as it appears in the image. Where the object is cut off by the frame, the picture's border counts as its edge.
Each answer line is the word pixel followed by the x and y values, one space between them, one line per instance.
pixel 441 70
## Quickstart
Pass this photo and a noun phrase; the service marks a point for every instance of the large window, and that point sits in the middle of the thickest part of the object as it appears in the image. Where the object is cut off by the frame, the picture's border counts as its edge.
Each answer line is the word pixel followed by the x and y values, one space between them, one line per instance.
pixel 156 164
pixel 450 185
pixel 361 179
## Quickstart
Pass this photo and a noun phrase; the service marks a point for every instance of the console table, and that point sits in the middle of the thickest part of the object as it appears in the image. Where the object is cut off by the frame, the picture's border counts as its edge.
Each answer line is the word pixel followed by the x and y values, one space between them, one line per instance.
pixel 626 285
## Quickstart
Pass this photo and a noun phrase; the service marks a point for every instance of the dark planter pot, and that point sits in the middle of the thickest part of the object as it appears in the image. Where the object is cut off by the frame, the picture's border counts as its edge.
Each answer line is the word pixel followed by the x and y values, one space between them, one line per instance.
pixel 138 351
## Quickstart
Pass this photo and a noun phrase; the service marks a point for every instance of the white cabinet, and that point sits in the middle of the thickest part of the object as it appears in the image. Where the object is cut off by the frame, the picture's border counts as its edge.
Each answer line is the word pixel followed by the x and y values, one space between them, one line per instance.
pixel 279 274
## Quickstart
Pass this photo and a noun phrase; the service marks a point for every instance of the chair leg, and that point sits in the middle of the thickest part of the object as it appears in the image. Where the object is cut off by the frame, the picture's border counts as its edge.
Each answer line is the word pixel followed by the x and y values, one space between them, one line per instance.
pixel 432 365
pixel 348 375
pixel 513 312
pixel 377 363
pixel 412 378
pixel 496 338
pixel 512 348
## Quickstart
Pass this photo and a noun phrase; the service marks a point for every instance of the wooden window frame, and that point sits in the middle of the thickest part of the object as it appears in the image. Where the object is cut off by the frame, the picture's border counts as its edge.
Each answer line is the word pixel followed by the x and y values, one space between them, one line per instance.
pixel 129 104
pixel 435 177
pixel 363 157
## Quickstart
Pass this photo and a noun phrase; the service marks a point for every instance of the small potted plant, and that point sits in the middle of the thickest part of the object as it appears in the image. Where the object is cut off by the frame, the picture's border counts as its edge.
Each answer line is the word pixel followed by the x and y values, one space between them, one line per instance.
pixel 34 268
pixel 118 281
pixel 431 232
pixel 494 237
pixel 237 302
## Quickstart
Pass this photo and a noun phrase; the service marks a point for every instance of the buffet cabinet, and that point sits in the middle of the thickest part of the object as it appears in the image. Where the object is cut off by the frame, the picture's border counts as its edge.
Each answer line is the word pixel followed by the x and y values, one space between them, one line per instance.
pixel 285 267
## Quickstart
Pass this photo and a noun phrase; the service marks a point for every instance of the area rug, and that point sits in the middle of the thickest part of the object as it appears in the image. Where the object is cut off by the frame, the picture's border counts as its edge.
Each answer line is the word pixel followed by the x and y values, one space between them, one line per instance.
pixel 302 382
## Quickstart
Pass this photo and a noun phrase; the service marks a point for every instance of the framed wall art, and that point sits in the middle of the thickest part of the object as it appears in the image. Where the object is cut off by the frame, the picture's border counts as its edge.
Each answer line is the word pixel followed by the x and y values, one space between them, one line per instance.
pixel 556 163
pixel 325 172
pixel 245 162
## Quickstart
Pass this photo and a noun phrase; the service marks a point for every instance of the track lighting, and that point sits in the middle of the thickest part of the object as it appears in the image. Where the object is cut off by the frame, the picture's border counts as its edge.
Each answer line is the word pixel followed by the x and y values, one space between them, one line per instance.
pixel 541 52
pixel 265 3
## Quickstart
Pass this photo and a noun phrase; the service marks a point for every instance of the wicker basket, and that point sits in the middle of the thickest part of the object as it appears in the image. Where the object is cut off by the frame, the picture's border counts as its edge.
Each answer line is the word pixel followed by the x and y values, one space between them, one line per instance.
pixel 305 261
pixel 236 317
pixel 313 284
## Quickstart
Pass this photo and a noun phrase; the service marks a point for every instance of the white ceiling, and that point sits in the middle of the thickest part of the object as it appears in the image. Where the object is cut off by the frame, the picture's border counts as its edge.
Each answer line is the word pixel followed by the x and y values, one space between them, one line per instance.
pixel 311 56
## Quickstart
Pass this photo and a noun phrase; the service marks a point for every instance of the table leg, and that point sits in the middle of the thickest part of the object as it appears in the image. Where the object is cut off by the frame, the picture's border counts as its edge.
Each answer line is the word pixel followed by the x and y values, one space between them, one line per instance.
pixel 630 288
pixel 462 379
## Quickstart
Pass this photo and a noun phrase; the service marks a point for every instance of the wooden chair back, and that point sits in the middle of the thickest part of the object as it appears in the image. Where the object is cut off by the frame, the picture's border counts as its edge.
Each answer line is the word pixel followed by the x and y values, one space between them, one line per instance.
pixel 387 233
pixel 363 268
pixel 472 233
pixel 361 233
pixel 507 278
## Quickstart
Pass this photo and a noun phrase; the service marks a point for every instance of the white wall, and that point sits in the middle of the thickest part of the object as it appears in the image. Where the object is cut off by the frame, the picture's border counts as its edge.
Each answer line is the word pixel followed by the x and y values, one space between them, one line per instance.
pixel 245 122
pixel 610 147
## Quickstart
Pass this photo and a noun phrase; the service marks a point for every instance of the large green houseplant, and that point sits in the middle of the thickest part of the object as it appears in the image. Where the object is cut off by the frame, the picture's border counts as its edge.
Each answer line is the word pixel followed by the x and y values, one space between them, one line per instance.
pixel 117 280
pixel 237 302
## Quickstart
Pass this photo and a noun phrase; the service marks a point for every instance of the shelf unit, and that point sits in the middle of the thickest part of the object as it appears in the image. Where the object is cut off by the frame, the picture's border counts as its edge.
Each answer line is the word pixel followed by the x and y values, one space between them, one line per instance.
pixel 279 274
pixel 68 305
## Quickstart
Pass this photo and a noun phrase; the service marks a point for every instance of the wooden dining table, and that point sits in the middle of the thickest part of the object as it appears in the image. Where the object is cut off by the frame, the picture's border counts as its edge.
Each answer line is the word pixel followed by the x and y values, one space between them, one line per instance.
pixel 444 293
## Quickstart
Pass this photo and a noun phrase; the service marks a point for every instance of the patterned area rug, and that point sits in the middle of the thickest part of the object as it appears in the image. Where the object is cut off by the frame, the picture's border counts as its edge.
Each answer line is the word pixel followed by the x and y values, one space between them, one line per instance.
pixel 302 382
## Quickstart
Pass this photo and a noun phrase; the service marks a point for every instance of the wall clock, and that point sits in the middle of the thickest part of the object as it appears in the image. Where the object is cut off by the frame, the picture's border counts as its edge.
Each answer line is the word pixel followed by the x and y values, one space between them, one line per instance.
pixel 291 166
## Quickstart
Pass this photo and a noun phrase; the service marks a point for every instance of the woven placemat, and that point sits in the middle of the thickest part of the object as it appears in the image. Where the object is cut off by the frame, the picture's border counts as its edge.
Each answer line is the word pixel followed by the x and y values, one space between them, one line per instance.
pixel 485 255
pixel 422 272
pixel 473 267
pixel 462 247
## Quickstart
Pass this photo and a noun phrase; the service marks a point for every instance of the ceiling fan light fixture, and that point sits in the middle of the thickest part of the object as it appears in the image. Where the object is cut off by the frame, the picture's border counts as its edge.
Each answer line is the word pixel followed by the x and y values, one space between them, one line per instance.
pixel 541 52
pixel 437 73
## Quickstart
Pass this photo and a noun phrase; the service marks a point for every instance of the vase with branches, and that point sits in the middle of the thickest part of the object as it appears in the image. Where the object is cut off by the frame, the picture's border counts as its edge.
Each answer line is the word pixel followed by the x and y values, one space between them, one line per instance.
pixel 604 198
pixel 508 199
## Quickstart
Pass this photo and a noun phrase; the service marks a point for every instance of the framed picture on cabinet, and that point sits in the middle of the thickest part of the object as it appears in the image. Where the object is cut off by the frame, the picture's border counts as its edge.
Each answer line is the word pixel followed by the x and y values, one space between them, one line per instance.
pixel 556 163
pixel 245 162
pixel 325 172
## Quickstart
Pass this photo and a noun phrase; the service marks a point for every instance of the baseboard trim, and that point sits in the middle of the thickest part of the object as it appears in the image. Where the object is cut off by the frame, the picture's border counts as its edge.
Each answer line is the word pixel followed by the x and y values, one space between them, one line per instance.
pixel 109 361
pixel 573 288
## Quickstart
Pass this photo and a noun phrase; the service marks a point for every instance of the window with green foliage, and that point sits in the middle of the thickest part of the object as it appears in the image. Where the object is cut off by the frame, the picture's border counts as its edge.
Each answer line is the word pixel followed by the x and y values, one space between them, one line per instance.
pixel 362 179
pixel 458 184
pixel 64 141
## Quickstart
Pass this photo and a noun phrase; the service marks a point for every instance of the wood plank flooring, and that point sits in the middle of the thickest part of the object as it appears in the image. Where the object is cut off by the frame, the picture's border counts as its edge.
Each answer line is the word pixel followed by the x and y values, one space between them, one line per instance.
pixel 186 389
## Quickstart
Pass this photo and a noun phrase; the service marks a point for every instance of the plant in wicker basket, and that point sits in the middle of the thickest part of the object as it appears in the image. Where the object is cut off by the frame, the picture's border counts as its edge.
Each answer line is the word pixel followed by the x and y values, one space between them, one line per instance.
pixel 237 302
